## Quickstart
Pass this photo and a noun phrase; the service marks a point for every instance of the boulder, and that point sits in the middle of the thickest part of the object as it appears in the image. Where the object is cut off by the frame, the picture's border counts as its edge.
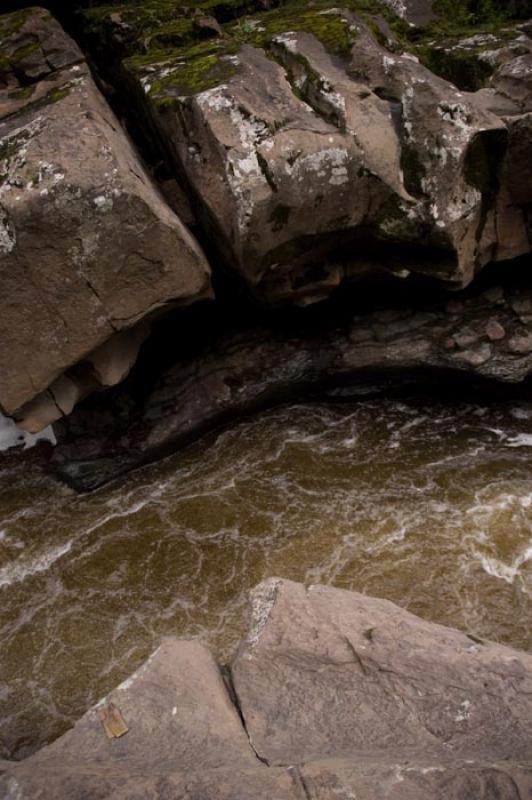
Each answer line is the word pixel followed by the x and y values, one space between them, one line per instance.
pixel 415 12
pixel 326 673
pixel 169 731
pixel 89 250
pixel 338 696
pixel 306 143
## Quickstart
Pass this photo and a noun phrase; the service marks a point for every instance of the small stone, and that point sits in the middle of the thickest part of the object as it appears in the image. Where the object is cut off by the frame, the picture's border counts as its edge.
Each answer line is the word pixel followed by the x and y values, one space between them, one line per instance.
pixel 466 338
pixel 494 330
pixel 520 344
pixel 476 357
pixel 522 307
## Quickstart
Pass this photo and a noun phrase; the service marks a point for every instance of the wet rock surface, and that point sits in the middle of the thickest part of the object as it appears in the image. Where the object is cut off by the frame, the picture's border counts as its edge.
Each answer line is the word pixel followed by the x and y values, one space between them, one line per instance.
pixel 485 335
pixel 331 695
pixel 309 147
pixel 88 248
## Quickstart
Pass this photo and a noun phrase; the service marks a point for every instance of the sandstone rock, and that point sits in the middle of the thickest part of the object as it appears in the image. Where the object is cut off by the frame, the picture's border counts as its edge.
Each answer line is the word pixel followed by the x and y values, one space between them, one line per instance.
pixel 88 248
pixel 409 779
pixel 416 12
pixel 33 47
pixel 494 330
pixel 343 696
pixel 297 114
pixel 520 344
pixel 184 739
pixel 514 80
pixel 325 673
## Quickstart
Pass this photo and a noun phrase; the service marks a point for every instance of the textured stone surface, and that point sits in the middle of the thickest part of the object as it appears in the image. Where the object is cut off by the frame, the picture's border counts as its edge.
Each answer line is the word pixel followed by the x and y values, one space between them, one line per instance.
pixel 305 149
pixel 88 247
pixel 325 673
pixel 180 720
pixel 343 696
pixel 413 779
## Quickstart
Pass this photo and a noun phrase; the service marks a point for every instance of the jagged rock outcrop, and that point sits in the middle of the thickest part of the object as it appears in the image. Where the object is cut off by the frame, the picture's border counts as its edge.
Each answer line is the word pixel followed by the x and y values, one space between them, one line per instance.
pixel 481 335
pixel 332 695
pixel 89 250
pixel 317 145
pixel 314 140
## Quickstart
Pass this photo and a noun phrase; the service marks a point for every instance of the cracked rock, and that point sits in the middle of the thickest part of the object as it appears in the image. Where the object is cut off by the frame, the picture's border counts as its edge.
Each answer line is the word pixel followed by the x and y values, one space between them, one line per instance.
pixel 338 696
pixel 88 248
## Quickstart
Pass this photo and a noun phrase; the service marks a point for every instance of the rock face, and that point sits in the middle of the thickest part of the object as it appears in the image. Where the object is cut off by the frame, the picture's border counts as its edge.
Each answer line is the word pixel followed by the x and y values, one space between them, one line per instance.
pixel 333 695
pixel 88 248
pixel 321 143
pixel 324 673
pixel 486 334
pixel 313 140
pixel 316 145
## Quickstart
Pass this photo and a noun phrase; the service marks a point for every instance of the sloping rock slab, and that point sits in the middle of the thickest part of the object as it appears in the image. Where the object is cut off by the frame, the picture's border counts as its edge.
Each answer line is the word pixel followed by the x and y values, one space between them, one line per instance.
pixel 174 709
pixel 321 669
pixel 88 248
pixel 330 673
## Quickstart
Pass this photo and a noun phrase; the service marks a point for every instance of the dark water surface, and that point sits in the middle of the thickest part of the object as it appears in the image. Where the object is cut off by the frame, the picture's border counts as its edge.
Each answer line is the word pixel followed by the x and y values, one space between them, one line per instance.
pixel 427 504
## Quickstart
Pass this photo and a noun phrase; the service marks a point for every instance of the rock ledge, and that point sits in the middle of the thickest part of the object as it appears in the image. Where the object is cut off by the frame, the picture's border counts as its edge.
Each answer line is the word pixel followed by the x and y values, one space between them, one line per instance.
pixel 332 695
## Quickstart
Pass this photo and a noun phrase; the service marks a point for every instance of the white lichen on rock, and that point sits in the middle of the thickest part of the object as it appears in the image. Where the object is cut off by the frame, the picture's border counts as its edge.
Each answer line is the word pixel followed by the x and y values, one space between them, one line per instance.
pixel 262 600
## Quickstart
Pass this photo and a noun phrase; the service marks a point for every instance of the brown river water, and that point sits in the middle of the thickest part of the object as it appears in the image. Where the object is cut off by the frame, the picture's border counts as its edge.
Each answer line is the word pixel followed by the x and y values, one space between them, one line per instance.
pixel 424 503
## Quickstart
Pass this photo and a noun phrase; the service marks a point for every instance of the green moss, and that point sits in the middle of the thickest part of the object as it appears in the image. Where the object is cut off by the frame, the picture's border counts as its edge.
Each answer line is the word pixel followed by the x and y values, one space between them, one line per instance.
pixel 462 67
pixel 189 72
pixel 330 28
pixel 21 53
pixel 21 94
pixel 53 96
pixel 10 24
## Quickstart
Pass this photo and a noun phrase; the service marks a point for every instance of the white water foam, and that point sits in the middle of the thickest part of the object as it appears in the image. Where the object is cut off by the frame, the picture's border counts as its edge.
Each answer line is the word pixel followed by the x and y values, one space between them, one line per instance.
pixel 522 440
pixel 12 436
pixel 506 572
pixel 17 571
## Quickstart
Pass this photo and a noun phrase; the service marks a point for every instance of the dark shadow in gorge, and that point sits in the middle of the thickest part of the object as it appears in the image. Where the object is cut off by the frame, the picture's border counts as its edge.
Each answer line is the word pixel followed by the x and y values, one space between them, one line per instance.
pixel 212 364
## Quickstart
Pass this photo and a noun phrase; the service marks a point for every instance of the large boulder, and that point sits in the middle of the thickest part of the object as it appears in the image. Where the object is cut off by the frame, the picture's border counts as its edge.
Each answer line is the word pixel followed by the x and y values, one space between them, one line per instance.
pixel 311 137
pixel 338 696
pixel 308 144
pixel 326 673
pixel 88 248
pixel 170 731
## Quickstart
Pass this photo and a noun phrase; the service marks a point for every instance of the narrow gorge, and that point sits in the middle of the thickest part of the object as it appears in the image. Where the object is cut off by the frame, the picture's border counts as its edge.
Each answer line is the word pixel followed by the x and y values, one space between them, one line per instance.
pixel 266 321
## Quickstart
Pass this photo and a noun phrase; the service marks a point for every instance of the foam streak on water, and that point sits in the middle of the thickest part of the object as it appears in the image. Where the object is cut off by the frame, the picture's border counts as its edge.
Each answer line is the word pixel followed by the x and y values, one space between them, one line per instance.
pixel 425 504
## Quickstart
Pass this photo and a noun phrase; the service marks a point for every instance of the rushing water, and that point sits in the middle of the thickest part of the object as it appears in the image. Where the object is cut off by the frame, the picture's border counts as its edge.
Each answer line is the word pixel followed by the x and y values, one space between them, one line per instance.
pixel 426 504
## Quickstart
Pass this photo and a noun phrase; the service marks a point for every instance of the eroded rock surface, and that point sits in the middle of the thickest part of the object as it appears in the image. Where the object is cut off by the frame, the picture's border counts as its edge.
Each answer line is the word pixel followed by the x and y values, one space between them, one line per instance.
pixel 341 696
pixel 313 137
pixel 324 673
pixel 486 335
pixel 88 248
